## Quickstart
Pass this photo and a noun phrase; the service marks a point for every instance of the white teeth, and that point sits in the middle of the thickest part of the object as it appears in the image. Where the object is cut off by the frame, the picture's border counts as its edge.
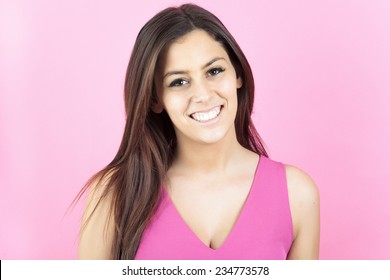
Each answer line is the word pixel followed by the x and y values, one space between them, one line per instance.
pixel 206 116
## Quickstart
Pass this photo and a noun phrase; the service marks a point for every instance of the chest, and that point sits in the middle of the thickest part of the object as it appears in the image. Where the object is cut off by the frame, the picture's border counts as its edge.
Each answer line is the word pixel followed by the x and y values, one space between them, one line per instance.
pixel 211 210
pixel 256 226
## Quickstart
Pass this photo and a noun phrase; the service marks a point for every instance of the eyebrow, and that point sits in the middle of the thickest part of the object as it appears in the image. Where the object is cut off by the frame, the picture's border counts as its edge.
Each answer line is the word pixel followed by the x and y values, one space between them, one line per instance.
pixel 170 73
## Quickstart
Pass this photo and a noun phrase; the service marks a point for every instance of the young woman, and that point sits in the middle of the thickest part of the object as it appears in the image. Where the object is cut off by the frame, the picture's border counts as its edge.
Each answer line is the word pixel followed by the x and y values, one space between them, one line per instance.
pixel 191 179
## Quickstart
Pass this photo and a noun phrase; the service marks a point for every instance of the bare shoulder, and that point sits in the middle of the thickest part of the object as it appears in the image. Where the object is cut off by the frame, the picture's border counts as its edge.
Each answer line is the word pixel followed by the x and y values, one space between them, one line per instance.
pixel 301 185
pixel 304 204
pixel 97 228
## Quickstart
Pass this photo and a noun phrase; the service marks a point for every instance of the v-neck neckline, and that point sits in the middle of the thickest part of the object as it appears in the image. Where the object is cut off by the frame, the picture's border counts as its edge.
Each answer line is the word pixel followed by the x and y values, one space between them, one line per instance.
pixel 237 222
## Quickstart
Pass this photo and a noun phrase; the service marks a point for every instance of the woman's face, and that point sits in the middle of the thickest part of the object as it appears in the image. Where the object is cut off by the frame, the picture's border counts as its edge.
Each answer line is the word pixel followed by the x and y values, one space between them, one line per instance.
pixel 197 86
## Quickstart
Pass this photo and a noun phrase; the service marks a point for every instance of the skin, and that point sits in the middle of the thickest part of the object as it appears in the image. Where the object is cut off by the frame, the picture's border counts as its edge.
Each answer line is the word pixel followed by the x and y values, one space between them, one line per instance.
pixel 212 174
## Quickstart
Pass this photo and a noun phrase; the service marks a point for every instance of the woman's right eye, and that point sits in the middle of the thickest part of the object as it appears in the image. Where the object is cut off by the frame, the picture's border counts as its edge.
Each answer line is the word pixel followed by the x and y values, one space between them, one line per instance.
pixel 178 83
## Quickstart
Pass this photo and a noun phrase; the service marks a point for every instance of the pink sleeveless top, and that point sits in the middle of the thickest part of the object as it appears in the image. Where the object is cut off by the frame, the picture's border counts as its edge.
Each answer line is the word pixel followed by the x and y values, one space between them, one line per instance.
pixel 263 229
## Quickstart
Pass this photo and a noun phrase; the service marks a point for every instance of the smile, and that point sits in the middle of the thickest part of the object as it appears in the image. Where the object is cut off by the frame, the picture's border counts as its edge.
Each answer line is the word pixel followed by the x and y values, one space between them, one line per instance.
pixel 206 116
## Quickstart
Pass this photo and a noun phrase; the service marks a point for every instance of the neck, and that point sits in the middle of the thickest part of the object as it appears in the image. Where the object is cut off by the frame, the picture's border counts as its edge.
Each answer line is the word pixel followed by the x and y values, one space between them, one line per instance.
pixel 206 158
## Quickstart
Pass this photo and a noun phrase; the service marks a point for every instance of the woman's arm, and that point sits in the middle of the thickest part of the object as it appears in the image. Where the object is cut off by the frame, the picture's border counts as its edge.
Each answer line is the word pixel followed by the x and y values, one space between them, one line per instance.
pixel 97 230
pixel 305 212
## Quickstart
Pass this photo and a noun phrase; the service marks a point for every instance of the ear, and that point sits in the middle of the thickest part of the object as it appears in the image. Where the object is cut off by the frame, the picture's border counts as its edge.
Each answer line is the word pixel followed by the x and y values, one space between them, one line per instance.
pixel 239 82
pixel 157 107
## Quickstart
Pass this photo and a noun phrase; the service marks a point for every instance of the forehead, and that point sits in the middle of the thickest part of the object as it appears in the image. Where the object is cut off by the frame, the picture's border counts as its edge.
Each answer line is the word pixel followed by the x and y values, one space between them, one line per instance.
pixel 192 50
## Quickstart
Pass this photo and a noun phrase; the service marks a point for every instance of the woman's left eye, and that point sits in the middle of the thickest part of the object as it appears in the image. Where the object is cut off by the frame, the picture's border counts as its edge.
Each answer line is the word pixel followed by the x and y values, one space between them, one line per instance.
pixel 215 71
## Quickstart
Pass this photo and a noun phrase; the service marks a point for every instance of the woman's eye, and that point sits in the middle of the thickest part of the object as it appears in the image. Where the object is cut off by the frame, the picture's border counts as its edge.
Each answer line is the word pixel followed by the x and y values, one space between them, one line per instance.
pixel 178 83
pixel 215 71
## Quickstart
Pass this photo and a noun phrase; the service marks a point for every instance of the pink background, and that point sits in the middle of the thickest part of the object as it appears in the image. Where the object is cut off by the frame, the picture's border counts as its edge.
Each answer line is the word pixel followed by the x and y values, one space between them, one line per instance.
pixel 322 71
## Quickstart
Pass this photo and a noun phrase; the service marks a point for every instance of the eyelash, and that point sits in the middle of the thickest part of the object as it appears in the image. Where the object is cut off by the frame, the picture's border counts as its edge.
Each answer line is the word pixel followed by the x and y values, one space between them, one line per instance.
pixel 178 83
pixel 218 69
pixel 210 73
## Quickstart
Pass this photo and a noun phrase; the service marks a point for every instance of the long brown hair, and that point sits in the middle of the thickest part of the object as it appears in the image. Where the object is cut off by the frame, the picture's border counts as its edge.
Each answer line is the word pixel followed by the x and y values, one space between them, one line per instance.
pixel 149 142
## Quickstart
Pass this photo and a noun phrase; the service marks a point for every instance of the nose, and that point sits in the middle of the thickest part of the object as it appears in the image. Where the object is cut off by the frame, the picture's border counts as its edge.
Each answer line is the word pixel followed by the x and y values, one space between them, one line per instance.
pixel 201 92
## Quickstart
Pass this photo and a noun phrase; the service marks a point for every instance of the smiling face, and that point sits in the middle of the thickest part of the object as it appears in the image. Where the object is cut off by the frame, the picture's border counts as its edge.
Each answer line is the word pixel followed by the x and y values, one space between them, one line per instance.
pixel 197 86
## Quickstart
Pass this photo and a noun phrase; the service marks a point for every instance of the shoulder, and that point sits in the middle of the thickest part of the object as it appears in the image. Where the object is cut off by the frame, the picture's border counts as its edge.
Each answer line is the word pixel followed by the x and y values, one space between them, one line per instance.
pixel 97 228
pixel 300 184
pixel 304 204
pixel 303 192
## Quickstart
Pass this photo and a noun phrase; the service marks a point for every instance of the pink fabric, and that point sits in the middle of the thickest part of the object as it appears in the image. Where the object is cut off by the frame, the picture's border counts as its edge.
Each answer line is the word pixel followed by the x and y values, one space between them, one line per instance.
pixel 262 231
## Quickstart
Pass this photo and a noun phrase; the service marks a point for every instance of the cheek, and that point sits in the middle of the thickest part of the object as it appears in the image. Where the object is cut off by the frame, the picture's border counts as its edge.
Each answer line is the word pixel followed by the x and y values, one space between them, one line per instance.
pixel 173 104
pixel 227 86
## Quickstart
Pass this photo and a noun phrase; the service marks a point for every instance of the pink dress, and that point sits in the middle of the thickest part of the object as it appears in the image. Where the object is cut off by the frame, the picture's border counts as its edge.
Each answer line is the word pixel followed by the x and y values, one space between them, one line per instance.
pixel 263 230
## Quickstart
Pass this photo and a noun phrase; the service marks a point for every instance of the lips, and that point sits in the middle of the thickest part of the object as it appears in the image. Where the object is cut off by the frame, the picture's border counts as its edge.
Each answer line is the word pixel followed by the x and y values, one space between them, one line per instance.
pixel 208 115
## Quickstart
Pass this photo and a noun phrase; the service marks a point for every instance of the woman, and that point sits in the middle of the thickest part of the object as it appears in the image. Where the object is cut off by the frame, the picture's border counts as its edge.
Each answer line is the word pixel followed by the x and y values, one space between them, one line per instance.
pixel 191 179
